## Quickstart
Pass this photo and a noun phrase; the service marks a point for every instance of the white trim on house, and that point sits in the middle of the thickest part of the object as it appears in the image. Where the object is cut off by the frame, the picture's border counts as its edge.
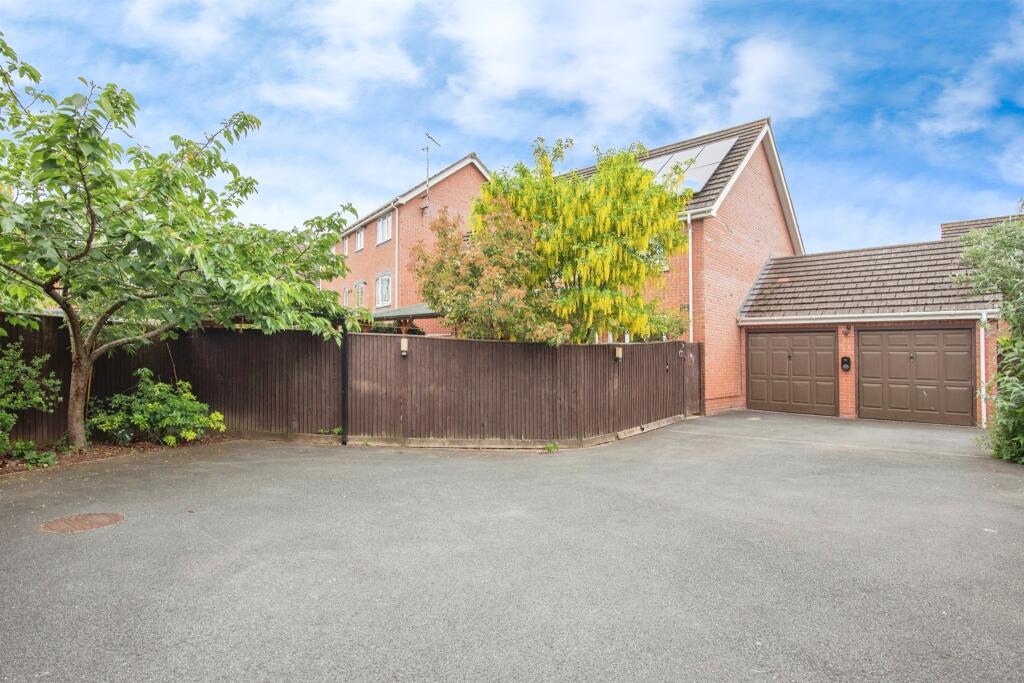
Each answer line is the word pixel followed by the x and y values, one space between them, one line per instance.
pixel 444 173
pixel 867 317
pixel 781 187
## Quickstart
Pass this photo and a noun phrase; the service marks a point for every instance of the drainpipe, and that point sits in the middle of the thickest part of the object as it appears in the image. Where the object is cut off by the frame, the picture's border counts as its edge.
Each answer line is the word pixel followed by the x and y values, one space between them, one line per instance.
pixel 394 294
pixel 689 275
pixel 984 372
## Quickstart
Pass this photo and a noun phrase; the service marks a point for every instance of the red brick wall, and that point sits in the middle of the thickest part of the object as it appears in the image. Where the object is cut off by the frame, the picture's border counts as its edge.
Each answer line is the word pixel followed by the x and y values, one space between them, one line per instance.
pixel 731 248
pixel 847 346
pixel 409 225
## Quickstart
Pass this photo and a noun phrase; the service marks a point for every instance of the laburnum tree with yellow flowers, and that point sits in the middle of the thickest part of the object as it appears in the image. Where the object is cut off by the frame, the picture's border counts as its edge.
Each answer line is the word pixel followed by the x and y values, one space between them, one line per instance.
pixel 599 242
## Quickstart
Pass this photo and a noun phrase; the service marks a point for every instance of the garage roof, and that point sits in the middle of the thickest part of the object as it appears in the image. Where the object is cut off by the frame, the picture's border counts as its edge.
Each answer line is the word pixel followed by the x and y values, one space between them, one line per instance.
pixel 958 229
pixel 900 279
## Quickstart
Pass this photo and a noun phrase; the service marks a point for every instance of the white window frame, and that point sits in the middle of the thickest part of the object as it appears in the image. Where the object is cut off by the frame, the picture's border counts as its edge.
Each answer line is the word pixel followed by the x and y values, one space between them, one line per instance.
pixel 378 300
pixel 360 293
pixel 360 239
pixel 344 246
pixel 384 228
pixel 346 295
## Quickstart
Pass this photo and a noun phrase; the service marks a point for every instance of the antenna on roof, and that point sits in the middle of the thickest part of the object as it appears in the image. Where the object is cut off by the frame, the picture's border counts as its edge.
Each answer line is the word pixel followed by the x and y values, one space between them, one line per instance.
pixel 426 150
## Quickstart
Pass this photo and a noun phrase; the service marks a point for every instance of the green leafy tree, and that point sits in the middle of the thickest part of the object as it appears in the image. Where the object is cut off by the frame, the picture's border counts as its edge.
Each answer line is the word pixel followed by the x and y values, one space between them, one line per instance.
pixel 24 385
pixel 487 286
pixel 130 244
pixel 600 241
pixel 997 256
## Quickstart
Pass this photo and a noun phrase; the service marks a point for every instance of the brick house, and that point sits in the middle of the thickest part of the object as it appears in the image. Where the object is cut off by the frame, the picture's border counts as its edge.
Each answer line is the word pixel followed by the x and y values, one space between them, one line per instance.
pixel 885 332
pixel 378 245
pixel 741 214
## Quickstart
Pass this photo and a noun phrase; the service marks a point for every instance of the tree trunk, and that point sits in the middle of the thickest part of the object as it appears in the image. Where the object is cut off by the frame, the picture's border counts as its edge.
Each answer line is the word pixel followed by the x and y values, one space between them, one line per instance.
pixel 78 395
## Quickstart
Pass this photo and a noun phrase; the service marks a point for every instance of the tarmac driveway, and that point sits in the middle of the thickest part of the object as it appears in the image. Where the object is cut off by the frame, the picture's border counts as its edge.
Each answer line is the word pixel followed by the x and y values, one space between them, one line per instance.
pixel 745 546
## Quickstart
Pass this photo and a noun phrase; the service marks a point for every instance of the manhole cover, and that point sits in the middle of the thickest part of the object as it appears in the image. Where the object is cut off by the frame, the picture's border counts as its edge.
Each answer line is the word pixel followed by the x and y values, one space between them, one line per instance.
pixel 77 523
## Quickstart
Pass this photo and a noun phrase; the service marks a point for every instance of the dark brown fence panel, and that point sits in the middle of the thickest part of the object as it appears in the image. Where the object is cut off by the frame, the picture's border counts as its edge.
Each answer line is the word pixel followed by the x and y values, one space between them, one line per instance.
pixel 465 392
pixel 51 339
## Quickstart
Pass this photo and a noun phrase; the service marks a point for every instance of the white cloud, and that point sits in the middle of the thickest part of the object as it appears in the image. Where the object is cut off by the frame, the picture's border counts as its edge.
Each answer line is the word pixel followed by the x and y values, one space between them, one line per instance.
pixel 964 104
pixel 191 28
pixel 603 63
pixel 347 45
pixel 1010 162
pixel 779 79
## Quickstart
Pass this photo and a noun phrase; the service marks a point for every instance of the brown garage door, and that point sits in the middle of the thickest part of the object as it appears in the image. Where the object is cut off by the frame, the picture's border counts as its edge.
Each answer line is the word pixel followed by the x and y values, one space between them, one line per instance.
pixel 917 375
pixel 793 372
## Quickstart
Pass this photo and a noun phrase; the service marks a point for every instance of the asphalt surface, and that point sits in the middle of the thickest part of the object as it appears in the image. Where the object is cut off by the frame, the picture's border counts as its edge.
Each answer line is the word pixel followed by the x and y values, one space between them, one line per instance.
pixel 740 547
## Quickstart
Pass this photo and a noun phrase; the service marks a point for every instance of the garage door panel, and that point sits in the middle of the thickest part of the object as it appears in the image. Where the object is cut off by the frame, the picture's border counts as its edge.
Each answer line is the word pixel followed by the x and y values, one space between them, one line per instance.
pixel 825 393
pixel 801 392
pixel 926 366
pixel 926 398
pixel 800 366
pixel 897 397
pixel 871 364
pixel 792 372
pixel 779 363
pixel 871 396
pixel 758 390
pixel 897 365
pixel 922 375
pixel 959 366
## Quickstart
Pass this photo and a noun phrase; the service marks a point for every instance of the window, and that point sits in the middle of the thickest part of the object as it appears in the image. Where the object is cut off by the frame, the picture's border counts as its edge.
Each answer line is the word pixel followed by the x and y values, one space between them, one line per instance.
pixel 344 246
pixel 360 239
pixel 383 297
pixel 360 293
pixel 384 228
pixel 346 296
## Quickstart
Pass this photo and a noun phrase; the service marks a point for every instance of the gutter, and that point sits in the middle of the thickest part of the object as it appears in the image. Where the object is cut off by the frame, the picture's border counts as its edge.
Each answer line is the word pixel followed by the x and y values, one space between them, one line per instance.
pixel 689 275
pixel 981 314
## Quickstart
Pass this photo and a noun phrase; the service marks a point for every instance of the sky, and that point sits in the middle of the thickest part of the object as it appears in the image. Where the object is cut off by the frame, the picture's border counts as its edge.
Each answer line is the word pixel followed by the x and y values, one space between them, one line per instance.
pixel 889 118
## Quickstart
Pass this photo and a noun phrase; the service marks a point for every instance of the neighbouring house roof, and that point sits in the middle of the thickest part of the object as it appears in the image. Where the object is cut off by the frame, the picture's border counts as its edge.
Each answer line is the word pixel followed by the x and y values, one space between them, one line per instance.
pixel 451 169
pixel 877 282
pixel 958 229
pixel 707 200
pixel 414 312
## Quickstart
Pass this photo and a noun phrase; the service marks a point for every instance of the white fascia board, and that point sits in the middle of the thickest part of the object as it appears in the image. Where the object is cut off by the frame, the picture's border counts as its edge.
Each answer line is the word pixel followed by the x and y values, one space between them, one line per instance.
pixel 866 317
pixel 411 194
pixel 781 188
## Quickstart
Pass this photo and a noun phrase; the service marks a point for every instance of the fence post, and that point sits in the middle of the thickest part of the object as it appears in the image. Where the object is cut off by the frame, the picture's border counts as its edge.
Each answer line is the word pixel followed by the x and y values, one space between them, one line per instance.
pixel 344 384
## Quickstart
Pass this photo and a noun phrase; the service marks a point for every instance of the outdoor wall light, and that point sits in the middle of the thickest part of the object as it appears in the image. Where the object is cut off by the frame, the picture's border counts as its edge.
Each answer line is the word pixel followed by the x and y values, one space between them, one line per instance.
pixel 846 364
pixel 403 346
pixel 618 353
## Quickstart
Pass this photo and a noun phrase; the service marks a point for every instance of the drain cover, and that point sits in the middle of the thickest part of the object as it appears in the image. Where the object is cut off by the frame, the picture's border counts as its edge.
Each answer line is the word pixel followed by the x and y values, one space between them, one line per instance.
pixel 77 523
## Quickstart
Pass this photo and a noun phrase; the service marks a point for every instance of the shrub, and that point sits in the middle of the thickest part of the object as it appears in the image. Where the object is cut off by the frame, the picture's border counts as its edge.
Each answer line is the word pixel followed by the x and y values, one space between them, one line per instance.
pixel 23 386
pixel 154 411
pixel 1007 433
pixel 26 451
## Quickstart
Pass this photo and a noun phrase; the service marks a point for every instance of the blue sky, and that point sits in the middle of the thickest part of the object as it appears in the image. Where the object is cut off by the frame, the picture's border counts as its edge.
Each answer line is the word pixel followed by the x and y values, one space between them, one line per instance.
pixel 889 118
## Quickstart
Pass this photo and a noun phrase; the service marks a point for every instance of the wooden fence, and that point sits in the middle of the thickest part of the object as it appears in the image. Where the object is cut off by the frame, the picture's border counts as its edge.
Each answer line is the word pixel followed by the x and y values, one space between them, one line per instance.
pixel 473 393
pixel 436 392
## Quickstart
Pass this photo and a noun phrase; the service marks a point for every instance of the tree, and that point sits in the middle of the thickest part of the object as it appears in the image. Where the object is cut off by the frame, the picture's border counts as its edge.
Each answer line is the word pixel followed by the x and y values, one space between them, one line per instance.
pixel 487 286
pixel 997 257
pixel 130 244
pixel 24 385
pixel 600 242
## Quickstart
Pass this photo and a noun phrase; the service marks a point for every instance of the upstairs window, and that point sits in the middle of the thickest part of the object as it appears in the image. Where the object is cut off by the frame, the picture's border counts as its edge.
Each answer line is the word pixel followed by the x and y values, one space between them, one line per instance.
pixel 384 228
pixel 346 296
pixel 344 246
pixel 383 290
pixel 360 239
pixel 360 293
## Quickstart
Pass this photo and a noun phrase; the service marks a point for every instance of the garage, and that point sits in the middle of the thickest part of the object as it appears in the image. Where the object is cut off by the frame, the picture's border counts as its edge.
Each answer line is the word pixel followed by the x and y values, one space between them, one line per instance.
pixel 922 375
pixel 792 372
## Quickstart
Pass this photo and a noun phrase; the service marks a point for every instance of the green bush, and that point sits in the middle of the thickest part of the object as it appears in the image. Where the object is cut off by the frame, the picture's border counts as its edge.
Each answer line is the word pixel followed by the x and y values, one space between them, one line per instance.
pixel 155 411
pixel 27 452
pixel 23 386
pixel 1007 432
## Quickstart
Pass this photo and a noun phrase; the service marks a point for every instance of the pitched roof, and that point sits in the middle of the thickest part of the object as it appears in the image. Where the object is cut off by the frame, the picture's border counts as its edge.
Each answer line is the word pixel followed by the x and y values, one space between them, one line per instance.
pixel 746 135
pixel 412 192
pixel 905 278
pixel 958 229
